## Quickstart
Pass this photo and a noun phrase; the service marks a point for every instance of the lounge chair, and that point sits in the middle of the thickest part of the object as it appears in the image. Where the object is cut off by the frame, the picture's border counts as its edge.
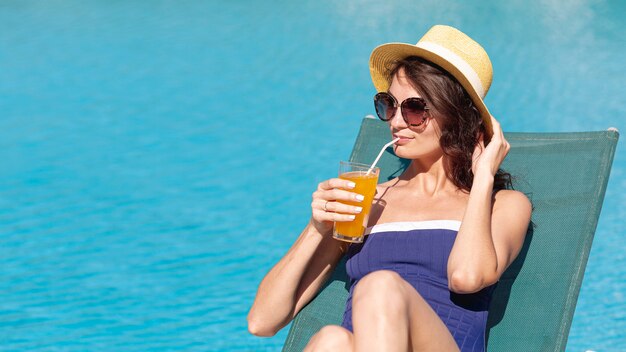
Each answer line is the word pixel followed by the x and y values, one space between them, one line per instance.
pixel 565 176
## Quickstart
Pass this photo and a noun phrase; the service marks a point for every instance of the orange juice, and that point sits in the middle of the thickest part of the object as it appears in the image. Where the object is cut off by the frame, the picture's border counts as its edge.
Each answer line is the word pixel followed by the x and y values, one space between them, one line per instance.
pixel 352 231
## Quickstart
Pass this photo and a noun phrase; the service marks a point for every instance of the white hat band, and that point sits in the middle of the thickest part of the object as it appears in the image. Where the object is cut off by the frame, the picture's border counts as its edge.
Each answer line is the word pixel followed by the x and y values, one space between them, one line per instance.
pixel 457 61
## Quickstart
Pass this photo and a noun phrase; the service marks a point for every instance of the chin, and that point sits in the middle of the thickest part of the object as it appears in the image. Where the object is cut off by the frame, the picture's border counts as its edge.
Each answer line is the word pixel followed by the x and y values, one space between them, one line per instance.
pixel 405 152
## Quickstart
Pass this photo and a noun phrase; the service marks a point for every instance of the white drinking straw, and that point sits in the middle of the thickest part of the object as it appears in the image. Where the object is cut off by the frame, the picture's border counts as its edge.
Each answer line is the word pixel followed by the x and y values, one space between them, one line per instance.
pixel 381 154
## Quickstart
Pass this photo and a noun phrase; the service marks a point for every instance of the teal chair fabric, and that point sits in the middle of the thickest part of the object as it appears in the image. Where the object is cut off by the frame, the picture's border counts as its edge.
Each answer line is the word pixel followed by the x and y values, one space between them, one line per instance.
pixel 565 176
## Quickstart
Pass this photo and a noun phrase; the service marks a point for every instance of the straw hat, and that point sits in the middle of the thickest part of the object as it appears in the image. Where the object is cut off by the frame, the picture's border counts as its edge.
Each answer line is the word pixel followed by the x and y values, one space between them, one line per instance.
pixel 453 51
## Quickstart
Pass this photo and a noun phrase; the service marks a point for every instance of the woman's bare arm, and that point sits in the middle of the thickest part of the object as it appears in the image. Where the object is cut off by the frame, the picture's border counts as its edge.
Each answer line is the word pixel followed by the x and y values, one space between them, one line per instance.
pixel 491 233
pixel 297 277
pixel 489 239
pixel 293 281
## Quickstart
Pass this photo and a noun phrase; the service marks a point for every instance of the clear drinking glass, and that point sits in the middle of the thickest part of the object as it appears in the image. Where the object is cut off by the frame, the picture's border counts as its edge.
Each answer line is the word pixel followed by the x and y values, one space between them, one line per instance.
pixel 366 181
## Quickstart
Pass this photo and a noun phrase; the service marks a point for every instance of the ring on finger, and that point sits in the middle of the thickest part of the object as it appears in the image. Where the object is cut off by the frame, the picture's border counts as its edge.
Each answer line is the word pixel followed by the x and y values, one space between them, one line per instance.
pixel 325 209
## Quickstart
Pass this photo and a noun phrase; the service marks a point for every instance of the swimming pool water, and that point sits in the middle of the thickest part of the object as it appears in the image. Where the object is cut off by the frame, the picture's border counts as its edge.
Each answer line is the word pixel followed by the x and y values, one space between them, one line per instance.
pixel 159 157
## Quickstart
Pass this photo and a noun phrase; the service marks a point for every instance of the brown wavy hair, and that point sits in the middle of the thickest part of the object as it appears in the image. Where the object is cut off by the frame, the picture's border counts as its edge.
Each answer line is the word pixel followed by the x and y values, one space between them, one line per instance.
pixel 458 117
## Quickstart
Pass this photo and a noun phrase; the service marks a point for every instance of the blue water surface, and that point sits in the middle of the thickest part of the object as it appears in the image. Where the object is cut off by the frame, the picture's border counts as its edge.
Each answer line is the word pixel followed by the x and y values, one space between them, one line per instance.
pixel 158 157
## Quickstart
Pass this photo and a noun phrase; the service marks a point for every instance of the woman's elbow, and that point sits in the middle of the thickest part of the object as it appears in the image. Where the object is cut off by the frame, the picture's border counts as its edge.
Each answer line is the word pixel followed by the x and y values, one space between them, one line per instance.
pixel 257 327
pixel 466 282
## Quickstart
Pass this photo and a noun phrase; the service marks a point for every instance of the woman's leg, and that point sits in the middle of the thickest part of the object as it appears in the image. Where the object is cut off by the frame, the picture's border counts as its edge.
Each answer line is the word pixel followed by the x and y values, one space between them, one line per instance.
pixel 331 338
pixel 388 314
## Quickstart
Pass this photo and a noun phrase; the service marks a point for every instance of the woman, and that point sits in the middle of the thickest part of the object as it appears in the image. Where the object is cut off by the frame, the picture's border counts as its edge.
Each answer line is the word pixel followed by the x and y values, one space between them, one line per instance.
pixel 440 235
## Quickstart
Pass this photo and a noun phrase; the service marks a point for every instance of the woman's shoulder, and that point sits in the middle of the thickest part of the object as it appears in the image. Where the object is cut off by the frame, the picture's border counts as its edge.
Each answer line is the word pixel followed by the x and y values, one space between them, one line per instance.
pixel 511 199
pixel 387 184
pixel 383 189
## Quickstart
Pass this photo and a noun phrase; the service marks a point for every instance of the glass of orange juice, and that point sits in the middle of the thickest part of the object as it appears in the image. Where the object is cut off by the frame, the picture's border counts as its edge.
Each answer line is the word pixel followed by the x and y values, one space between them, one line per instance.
pixel 365 180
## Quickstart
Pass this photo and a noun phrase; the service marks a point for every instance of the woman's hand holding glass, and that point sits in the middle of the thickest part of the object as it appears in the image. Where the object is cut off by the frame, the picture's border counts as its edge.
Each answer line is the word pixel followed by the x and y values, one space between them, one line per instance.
pixel 327 206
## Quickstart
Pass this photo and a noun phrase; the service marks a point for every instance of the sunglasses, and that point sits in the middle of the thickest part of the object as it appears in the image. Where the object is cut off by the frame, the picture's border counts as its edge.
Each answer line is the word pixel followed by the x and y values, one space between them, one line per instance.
pixel 413 109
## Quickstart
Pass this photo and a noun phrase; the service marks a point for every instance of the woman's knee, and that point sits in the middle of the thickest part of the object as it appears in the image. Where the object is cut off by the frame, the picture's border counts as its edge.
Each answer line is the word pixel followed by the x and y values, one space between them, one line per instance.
pixel 380 290
pixel 383 282
pixel 331 338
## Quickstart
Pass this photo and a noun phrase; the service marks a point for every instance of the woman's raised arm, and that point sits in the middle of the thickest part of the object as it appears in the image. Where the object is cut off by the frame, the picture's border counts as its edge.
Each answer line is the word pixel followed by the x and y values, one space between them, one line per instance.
pixel 492 232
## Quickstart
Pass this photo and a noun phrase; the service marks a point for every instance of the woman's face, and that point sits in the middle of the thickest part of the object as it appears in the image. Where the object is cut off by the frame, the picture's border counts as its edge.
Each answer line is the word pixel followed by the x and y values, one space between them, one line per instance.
pixel 416 142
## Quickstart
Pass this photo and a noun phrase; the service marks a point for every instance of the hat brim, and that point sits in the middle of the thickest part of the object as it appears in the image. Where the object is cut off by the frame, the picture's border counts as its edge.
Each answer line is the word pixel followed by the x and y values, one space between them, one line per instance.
pixel 384 56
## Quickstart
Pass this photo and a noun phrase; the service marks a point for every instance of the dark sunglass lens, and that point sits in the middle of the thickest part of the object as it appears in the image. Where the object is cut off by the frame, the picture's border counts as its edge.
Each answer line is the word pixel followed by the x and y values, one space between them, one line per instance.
pixel 385 108
pixel 413 110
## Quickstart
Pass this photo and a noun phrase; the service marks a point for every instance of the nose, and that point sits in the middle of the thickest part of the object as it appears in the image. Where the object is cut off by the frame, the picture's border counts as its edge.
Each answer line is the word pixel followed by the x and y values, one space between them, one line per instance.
pixel 397 121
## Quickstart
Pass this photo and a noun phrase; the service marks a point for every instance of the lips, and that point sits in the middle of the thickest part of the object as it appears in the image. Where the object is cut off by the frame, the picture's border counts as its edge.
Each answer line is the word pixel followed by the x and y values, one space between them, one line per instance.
pixel 403 139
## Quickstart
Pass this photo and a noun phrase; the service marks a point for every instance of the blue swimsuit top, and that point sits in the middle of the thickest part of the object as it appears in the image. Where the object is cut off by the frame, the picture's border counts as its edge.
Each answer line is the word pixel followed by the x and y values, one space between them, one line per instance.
pixel 418 251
